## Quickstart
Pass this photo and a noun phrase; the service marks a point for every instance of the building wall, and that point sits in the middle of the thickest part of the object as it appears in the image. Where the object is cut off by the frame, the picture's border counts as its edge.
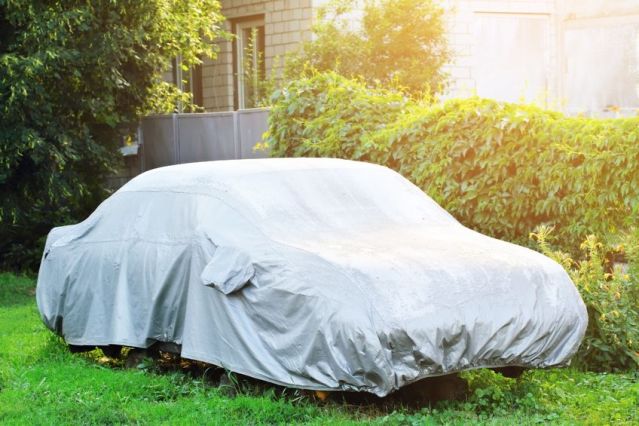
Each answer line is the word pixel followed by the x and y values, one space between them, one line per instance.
pixel 287 24
pixel 595 9
pixel 581 56
pixel 505 50
pixel 600 52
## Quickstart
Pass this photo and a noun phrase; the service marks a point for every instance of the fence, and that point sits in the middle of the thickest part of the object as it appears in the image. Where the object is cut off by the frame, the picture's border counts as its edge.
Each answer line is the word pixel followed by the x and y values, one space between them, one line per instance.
pixel 186 138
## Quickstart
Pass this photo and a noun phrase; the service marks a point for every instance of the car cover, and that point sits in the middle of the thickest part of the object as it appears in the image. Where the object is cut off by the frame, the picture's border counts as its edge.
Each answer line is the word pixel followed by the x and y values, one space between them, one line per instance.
pixel 313 273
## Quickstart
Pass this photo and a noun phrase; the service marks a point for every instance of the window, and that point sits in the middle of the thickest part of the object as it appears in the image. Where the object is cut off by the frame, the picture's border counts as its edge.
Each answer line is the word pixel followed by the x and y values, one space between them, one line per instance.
pixel 248 61
pixel 188 81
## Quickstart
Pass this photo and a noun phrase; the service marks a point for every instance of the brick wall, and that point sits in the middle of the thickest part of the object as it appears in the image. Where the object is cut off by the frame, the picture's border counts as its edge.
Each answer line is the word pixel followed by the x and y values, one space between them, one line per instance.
pixel 287 23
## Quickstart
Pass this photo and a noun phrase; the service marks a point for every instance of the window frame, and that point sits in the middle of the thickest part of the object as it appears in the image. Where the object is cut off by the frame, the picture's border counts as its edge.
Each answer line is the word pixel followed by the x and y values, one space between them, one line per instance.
pixel 238 26
pixel 193 81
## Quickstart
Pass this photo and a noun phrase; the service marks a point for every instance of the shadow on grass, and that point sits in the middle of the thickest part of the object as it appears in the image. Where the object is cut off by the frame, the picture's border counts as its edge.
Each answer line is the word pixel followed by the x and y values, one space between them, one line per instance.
pixel 444 391
pixel 425 393
pixel 16 291
pixel 20 291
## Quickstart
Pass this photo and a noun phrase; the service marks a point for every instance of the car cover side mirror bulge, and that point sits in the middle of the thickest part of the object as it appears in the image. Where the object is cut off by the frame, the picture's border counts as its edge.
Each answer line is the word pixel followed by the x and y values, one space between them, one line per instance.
pixel 228 270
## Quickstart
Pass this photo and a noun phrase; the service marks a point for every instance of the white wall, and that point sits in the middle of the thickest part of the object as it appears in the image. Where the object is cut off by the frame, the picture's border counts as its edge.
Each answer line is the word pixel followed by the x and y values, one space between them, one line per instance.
pixel 511 58
pixel 504 50
pixel 600 67
pixel 581 56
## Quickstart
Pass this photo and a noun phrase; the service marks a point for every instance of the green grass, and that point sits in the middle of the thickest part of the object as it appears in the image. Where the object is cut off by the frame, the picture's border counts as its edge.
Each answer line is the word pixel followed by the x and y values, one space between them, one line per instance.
pixel 41 383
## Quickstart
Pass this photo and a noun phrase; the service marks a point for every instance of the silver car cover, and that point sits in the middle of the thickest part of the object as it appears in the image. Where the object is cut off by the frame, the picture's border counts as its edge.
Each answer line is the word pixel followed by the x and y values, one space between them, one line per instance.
pixel 321 274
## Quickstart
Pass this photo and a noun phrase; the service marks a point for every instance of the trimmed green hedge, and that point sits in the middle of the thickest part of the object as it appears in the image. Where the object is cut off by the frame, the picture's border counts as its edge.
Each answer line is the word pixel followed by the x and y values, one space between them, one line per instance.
pixel 500 168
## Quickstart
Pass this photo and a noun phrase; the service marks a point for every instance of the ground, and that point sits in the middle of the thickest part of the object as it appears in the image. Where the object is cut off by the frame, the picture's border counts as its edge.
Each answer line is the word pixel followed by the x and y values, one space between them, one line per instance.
pixel 42 383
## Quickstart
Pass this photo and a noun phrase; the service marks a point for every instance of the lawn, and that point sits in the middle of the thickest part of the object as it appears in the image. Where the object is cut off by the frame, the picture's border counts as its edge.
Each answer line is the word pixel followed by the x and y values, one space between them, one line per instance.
pixel 42 383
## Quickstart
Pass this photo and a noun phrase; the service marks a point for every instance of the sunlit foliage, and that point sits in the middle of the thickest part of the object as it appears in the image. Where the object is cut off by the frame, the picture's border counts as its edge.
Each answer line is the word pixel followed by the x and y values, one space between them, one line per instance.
pixel 398 43
pixel 610 291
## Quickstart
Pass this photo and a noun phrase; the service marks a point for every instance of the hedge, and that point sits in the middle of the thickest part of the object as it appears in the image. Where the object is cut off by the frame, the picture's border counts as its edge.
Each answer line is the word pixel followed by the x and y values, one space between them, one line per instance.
pixel 500 168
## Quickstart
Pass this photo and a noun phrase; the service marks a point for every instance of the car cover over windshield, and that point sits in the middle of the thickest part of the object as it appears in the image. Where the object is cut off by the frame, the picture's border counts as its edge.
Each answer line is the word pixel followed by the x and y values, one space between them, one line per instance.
pixel 314 273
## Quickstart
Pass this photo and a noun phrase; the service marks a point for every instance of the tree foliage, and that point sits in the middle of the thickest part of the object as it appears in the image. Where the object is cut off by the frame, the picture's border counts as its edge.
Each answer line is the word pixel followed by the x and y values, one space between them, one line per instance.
pixel 75 76
pixel 397 43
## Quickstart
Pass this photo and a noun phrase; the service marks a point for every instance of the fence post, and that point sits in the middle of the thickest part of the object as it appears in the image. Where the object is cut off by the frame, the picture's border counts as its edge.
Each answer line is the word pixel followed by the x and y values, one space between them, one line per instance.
pixel 236 135
pixel 176 139
pixel 141 148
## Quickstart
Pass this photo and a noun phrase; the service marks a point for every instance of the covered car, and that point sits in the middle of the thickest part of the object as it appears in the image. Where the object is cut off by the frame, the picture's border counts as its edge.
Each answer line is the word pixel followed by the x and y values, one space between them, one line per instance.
pixel 321 274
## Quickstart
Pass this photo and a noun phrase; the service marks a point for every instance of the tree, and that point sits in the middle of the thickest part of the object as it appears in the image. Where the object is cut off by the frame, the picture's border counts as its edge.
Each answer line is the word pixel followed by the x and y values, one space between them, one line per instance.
pixel 75 77
pixel 398 43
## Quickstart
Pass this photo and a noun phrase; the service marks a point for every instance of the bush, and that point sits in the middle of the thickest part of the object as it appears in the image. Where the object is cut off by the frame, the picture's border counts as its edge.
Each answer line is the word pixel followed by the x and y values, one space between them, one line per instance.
pixel 399 42
pixel 611 295
pixel 500 168
pixel 315 116
pixel 74 79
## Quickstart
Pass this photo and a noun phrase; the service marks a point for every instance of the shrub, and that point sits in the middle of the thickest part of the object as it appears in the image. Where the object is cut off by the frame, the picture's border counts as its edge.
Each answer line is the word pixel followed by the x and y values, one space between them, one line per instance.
pixel 500 168
pixel 398 42
pixel 611 295
pixel 74 79
pixel 313 117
